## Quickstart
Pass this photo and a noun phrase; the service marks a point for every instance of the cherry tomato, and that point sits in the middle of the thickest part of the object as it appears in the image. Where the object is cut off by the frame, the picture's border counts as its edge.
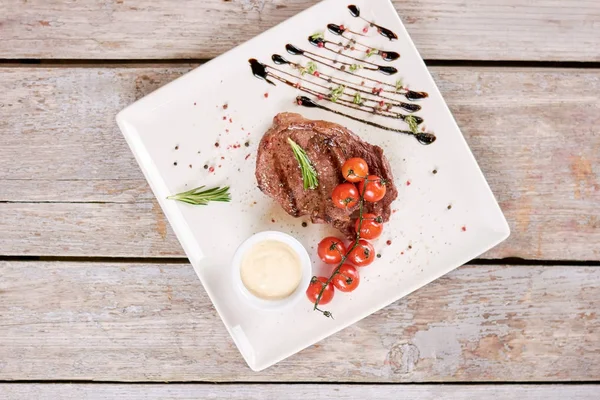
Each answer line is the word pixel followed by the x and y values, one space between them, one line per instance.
pixel 363 254
pixel 331 250
pixel 314 288
pixel 371 227
pixel 355 169
pixel 374 190
pixel 347 278
pixel 345 195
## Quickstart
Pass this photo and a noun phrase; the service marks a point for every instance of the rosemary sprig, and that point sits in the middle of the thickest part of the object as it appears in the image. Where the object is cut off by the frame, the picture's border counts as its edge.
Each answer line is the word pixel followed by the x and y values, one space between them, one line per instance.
pixel 412 124
pixel 399 85
pixel 200 197
pixel 336 93
pixel 317 35
pixel 309 174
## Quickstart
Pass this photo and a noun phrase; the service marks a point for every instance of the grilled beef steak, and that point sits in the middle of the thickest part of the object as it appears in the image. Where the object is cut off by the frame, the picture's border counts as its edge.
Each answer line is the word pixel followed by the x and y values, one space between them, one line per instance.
pixel 328 146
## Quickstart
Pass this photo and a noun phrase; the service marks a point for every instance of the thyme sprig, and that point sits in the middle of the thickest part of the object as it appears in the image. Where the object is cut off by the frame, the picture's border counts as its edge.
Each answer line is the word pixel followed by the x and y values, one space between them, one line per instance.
pixel 412 124
pixel 337 93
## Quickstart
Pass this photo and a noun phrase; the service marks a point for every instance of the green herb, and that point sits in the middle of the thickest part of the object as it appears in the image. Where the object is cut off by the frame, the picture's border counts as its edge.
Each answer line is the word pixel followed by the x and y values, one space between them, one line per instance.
pixel 412 123
pixel 357 98
pixel 318 35
pixel 355 67
pixel 399 85
pixel 201 197
pixel 309 174
pixel 336 93
pixel 310 68
pixel 372 52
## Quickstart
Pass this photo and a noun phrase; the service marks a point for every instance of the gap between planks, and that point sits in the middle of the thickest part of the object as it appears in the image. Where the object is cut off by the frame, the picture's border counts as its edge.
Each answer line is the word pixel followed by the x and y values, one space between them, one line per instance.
pixel 116 63
pixel 513 261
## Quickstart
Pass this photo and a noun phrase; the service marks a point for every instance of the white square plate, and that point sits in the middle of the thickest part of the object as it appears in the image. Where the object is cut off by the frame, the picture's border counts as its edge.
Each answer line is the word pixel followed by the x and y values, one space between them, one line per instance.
pixel 427 238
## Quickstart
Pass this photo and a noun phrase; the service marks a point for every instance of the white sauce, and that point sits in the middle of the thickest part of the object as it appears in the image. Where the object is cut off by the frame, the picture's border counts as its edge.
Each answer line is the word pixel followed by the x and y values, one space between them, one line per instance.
pixel 271 270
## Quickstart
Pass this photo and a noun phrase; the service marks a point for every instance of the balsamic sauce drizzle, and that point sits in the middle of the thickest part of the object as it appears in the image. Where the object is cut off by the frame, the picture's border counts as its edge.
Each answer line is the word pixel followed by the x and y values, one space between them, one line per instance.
pixel 410 107
pixel 346 103
pixel 260 71
pixel 387 70
pixel 422 137
pixel 337 30
pixel 409 94
pixel 355 12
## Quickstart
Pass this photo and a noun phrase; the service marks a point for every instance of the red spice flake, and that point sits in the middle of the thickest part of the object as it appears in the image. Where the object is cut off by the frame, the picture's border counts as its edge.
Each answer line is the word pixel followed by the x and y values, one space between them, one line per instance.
pixel 224 118
pixel 367 50
pixel 242 128
pixel 216 144
pixel 362 83
pixel 384 55
pixel 222 158
pixel 230 120
pixel 225 106
pixel 211 169
pixel 266 95
pixel 422 129
pixel 316 73
pixel 407 183
pixel 190 165
pixel 464 228
pixel 297 85
pixel 381 103
pixel 219 165
pixel 194 103
pixel 389 242
pixel 272 220
pixel 299 102
pixel 342 27
pixel 247 157
pixel 320 44
pixel 226 130
pixel 365 29
pixel 394 211
pixel 401 253
pixel 352 48
pixel 320 97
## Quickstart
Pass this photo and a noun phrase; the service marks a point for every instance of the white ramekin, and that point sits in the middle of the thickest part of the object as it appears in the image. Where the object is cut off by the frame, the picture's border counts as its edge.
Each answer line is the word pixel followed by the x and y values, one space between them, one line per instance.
pixel 304 262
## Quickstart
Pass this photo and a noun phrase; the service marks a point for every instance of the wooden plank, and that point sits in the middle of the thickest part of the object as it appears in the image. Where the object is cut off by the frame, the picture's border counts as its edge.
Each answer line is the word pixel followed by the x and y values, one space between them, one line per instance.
pixel 534 132
pixel 294 392
pixel 150 29
pixel 154 322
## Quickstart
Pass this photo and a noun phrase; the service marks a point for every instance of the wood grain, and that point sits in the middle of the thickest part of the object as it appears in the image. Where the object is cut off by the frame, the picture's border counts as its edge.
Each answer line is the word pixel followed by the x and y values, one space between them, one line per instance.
pixel 154 322
pixel 294 392
pixel 70 186
pixel 199 29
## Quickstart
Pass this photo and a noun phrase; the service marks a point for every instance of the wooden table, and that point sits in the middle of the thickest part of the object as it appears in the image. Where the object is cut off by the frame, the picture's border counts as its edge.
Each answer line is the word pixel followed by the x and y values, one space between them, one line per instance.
pixel 96 293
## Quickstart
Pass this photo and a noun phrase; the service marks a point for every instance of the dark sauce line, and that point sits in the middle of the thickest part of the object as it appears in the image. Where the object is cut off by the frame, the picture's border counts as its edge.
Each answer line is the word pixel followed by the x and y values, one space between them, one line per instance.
pixel 355 12
pixel 297 51
pixel 343 102
pixel 409 94
pixel 315 42
pixel 410 107
pixel 422 137
pixel 385 55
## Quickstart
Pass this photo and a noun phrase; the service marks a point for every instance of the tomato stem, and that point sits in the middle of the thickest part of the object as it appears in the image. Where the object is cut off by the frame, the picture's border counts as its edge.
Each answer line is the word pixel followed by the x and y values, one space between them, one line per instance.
pixel 345 256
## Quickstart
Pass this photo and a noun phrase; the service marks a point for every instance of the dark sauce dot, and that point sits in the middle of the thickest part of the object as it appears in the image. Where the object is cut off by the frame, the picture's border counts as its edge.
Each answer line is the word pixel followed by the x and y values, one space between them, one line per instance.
pixel 225 106
pixel 409 246
pixel 304 224
pixel 389 242
pixel 176 147
pixel 175 163
pixel 434 171
pixel 378 255
pixel 190 165
pixel 216 144
pixel 247 144
pixel 449 206
pixel 205 166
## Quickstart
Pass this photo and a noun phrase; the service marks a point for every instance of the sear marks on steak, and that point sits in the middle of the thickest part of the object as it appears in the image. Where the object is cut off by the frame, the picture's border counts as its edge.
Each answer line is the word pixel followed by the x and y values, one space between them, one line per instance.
pixel 328 146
